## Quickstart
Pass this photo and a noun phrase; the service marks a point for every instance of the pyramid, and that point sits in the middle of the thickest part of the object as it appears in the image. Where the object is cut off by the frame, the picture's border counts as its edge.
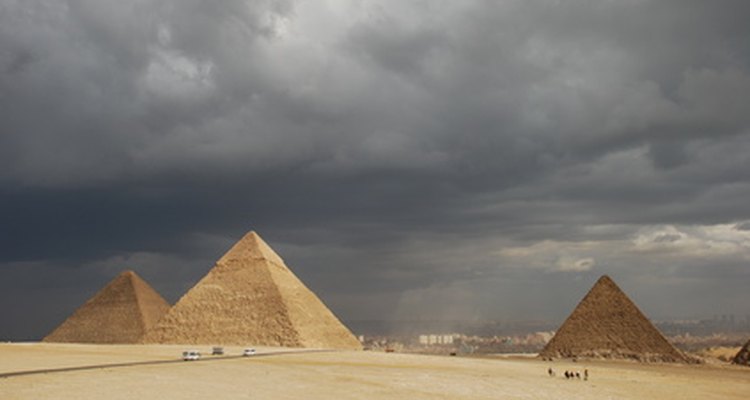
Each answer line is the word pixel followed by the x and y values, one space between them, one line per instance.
pixel 121 312
pixel 606 324
pixel 743 356
pixel 250 297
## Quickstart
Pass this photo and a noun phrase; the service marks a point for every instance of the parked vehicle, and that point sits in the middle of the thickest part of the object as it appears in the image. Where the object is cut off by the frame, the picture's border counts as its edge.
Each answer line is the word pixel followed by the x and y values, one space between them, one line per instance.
pixel 217 351
pixel 191 355
pixel 248 352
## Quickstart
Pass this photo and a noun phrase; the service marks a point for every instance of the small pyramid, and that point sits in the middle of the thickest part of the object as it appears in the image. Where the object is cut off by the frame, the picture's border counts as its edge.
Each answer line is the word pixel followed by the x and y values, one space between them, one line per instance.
pixel 121 312
pixel 743 356
pixel 607 324
pixel 250 297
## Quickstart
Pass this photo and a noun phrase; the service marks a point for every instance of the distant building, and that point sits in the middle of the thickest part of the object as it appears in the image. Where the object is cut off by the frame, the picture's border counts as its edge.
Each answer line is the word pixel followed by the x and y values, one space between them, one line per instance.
pixel 436 339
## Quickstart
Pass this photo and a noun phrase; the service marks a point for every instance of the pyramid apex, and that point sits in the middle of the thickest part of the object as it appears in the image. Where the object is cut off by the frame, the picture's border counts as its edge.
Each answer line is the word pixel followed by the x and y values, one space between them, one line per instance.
pixel 605 282
pixel 127 276
pixel 128 273
pixel 251 246
pixel 251 236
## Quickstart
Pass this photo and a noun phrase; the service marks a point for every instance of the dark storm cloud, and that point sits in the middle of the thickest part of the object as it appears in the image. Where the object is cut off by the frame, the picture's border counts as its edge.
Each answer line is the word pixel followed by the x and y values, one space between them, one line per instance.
pixel 397 154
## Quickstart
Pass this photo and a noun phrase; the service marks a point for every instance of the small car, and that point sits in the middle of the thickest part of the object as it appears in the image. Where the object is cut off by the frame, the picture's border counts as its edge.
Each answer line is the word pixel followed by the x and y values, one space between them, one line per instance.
pixel 248 352
pixel 191 355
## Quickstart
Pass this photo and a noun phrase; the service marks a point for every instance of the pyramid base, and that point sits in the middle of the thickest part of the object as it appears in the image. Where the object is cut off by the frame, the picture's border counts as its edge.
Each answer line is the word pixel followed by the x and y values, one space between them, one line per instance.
pixel 607 354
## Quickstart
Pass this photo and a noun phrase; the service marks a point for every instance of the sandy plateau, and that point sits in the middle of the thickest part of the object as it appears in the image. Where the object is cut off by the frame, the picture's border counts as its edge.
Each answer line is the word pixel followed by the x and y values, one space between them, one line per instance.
pixel 344 375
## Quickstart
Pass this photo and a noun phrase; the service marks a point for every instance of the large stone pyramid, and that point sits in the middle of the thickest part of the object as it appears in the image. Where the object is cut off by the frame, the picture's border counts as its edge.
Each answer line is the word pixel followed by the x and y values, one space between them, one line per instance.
pixel 121 312
pixel 743 356
pixel 606 324
pixel 250 297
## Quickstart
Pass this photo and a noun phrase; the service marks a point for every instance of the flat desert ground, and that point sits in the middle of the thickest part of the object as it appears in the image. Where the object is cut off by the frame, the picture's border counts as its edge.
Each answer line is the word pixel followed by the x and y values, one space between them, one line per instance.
pixel 341 375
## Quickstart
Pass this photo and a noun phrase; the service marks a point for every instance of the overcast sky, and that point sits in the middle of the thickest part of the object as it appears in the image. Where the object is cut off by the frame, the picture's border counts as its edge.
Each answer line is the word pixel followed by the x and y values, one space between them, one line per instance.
pixel 408 159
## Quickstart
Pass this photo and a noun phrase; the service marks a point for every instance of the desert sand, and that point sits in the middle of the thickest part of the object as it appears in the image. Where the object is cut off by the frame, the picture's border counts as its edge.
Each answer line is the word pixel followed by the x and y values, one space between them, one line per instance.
pixel 345 375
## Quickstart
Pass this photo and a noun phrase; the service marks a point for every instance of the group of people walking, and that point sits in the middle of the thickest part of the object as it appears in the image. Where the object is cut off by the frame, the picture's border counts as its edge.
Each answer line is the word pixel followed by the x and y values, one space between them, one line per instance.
pixel 571 374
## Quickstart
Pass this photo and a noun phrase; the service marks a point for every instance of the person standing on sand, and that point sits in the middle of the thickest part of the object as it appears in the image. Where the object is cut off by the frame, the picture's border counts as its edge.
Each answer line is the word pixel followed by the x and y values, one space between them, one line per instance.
pixel 550 372
pixel 585 374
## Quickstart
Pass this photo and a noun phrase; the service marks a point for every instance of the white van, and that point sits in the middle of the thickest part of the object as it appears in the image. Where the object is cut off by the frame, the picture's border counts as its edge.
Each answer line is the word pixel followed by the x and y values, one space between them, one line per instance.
pixel 248 352
pixel 191 355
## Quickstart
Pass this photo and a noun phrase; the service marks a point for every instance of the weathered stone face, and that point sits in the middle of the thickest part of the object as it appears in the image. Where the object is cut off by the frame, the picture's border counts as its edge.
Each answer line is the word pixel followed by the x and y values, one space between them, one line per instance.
pixel 250 297
pixel 121 312
pixel 607 324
